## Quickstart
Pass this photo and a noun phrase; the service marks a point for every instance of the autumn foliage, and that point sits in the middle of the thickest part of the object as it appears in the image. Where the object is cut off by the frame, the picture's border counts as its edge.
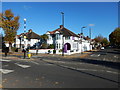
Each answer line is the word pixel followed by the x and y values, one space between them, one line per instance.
pixel 114 37
pixel 10 25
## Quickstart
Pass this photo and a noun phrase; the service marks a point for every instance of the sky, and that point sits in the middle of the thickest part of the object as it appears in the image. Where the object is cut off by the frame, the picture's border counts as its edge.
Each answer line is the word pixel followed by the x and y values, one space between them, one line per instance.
pixel 46 16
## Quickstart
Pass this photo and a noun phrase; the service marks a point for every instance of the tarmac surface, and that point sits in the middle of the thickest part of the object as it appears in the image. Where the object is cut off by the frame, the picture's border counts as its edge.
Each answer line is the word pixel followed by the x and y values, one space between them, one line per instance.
pixel 57 71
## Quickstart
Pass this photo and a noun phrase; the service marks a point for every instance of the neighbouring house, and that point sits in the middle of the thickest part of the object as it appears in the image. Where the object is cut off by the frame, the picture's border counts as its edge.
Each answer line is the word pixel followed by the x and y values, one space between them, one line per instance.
pixel 29 39
pixel 66 40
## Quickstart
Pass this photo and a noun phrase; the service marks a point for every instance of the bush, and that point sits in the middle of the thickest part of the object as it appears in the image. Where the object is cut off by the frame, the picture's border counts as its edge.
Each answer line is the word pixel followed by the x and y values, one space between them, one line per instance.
pixel 60 50
pixel 51 46
pixel 54 51
pixel 49 51
pixel 14 49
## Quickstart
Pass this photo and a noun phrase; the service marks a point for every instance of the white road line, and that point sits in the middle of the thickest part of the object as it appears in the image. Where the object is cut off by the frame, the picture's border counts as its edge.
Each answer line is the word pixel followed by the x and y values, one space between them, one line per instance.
pixel 5 60
pixel 94 55
pixel 23 66
pixel 35 63
pixel 115 57
pixel 98 55
pixel 6 71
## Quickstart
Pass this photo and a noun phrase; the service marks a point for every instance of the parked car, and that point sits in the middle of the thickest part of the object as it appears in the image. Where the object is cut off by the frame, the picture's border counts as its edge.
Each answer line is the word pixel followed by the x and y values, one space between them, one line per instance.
pixel 102 48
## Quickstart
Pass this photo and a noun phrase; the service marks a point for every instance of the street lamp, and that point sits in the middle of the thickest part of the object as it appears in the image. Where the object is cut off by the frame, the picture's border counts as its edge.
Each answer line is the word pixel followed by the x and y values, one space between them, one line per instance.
pixel 90 34
pixel 63 35
pixel 82 29
pixel 82 36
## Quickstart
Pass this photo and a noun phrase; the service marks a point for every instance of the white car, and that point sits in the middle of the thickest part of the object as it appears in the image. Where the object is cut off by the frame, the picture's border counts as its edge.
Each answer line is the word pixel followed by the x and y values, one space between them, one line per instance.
pixel 102 48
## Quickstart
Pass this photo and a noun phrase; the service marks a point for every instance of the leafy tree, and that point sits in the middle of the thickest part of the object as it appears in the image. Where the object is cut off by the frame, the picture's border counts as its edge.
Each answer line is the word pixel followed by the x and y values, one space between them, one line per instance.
pixel 114 37
pixel 10 25
pixel 44 38
pixel 101 41
pixel 98 38
pixel 105 42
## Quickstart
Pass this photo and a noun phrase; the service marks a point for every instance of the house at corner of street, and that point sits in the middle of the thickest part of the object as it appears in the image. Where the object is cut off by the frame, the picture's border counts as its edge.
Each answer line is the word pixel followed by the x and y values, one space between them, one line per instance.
pixel 66 40
pixel 28 39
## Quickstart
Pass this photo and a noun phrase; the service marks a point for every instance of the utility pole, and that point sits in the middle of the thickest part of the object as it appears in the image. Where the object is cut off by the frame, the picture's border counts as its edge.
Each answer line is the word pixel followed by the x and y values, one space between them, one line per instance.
pixel 90 34
pixel 82 36
pixel 63 35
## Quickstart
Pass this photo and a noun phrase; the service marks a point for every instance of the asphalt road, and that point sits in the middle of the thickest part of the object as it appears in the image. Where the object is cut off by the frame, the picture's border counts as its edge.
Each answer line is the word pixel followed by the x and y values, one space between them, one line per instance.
pixel 53 72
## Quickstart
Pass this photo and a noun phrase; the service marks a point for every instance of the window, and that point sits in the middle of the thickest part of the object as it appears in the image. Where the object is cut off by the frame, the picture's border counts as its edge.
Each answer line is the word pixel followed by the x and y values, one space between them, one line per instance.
pixel 74 45
pixel 67 37
pixel 56 46
pixel 59 45
pixel 58 36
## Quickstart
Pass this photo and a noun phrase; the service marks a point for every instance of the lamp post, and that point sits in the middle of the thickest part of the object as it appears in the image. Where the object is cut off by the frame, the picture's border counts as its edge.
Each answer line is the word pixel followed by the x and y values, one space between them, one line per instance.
pixel 82 36
pixel 90 34
pixel 82 29
pixel 63 35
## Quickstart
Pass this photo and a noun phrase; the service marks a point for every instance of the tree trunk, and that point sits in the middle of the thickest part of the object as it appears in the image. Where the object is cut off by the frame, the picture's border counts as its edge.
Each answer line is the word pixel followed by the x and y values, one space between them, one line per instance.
pixel 10 47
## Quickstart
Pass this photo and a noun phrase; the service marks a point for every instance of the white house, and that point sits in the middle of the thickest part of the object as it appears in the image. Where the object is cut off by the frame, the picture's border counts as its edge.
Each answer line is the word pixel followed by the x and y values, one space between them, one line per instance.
pixel 66 40
pixel 27 39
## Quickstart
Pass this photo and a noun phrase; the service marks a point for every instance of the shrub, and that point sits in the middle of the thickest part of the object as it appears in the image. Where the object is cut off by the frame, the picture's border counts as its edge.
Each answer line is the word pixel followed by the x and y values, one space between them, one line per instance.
pixel 14 49
pixel 51 46
pixel 48 51
pixel 54 51
pixel 60 50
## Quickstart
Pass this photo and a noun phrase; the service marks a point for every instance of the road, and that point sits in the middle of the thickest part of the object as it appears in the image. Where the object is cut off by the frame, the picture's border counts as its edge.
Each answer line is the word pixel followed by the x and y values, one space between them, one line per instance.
pixel 53 72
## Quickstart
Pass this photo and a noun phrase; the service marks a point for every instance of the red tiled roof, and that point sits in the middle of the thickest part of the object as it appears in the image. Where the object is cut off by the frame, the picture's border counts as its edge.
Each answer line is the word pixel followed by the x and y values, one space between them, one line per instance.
pixel 65 31
pixel 52 32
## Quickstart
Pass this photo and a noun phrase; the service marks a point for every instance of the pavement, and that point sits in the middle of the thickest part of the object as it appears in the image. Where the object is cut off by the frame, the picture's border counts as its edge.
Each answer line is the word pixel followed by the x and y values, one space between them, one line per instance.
pixel 20 55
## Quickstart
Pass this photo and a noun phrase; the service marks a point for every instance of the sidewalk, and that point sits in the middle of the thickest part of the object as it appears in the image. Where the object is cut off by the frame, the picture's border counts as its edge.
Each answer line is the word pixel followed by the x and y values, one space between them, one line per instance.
pixel 20 55
pixel 16 56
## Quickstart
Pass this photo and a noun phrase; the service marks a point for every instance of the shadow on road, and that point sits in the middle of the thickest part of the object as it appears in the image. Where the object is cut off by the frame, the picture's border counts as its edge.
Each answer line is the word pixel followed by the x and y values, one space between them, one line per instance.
pixel 115 65
pixel 85 73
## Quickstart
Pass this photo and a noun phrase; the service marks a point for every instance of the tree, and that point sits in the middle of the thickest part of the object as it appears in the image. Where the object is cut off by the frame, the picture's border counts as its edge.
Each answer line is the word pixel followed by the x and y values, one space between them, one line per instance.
pixel 105 42
pixel 98 38
pixel 44 44
pixel 101 41
pixel 44 37
pixel 10 25
pixel 114 37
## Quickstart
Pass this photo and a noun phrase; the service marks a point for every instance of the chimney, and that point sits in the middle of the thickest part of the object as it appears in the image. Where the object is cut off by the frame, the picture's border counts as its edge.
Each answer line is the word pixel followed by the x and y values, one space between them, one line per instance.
pixel 61 26
pixel 30 30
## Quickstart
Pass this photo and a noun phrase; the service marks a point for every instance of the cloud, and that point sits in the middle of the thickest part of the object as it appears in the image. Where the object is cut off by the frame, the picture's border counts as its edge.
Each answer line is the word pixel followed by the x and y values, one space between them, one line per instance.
pixel 91 24
pixel 27 7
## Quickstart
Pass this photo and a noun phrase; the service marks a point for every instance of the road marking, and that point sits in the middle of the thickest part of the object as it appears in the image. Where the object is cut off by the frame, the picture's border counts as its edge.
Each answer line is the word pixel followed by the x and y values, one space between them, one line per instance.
pixel 98 55
pixel 115 57
pixel 6 71
pixel 23 66
pixel 5 60
pixel 94 55
pixel 35 62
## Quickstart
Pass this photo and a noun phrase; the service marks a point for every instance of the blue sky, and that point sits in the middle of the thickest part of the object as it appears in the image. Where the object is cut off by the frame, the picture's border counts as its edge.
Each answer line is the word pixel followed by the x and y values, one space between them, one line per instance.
pixel 45 16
